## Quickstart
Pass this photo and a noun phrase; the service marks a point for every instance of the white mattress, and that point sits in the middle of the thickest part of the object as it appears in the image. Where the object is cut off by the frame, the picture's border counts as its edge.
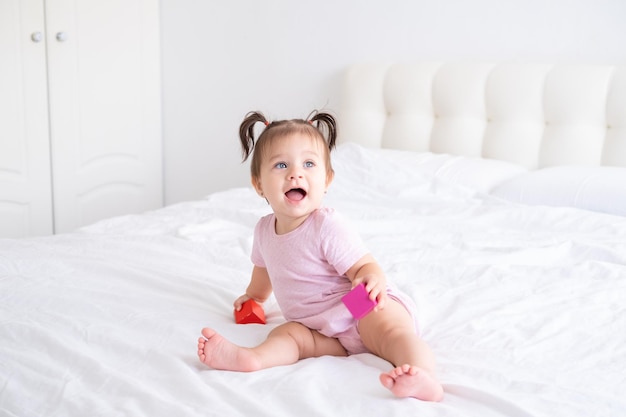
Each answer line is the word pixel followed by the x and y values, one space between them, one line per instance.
pixel 524 306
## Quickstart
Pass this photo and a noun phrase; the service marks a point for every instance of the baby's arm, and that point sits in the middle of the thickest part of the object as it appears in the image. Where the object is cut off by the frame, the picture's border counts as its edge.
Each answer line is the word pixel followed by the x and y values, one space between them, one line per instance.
pixel 259 288
pixel 367 271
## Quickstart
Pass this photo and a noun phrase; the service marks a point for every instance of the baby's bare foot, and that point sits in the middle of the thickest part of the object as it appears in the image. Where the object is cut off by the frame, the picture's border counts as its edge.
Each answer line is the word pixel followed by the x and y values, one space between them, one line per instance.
pixel 218 353
pixel 411 381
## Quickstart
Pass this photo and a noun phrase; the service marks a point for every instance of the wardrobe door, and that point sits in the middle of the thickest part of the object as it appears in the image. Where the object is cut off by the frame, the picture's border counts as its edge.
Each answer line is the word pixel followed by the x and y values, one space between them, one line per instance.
pixel 105 112
pixel 25 188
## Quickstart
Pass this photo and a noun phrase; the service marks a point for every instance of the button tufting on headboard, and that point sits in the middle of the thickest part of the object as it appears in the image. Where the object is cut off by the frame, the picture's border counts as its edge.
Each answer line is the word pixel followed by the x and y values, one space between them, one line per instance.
pixel 535 115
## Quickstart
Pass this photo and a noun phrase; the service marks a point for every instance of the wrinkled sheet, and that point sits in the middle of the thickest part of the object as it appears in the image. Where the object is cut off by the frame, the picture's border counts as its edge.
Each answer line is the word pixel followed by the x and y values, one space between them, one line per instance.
pixel 524 307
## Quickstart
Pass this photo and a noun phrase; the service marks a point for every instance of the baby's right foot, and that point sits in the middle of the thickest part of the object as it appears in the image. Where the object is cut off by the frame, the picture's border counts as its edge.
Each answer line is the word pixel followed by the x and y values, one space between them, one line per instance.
pixel 218 353
pixel 411 381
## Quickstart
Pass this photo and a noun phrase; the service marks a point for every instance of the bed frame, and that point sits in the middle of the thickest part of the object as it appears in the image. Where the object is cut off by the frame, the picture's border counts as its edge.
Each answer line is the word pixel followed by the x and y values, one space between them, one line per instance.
pixel 530 114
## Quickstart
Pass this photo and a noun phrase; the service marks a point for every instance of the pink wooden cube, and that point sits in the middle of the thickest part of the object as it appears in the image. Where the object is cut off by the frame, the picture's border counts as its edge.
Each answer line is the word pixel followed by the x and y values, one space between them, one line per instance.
pixel 358 302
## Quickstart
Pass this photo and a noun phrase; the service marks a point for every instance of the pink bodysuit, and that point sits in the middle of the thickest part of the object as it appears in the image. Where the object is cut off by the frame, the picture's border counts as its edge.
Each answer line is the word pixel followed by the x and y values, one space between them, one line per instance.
pixel 307 268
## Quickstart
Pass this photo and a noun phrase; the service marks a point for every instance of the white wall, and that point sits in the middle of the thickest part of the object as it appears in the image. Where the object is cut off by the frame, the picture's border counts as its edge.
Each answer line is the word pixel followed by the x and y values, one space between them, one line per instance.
pixel 284 57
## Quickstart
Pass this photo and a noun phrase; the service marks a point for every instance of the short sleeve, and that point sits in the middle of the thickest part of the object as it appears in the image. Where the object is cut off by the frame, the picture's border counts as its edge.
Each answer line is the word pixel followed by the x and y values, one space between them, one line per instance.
pixel 256 256
pixel 341 243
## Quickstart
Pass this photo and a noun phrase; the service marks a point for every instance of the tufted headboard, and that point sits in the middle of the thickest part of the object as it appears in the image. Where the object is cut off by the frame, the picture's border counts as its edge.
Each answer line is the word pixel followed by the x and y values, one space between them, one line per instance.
pixel 530 114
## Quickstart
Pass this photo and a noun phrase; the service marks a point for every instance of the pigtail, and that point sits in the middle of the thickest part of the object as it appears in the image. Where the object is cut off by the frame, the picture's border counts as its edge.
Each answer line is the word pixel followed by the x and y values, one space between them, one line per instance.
pixel 327 125
pixel 246 132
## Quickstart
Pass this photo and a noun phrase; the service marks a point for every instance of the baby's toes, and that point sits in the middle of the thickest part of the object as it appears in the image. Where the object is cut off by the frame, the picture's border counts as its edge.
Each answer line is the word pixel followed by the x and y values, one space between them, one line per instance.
pixel 396 372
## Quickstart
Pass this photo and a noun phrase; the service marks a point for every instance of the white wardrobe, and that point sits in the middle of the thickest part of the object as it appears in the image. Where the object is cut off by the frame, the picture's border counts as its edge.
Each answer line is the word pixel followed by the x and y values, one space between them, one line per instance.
pixel 80 113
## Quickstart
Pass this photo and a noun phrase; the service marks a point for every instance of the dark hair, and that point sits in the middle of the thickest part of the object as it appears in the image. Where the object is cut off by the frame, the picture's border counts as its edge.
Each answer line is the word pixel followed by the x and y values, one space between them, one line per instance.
pixel 319 125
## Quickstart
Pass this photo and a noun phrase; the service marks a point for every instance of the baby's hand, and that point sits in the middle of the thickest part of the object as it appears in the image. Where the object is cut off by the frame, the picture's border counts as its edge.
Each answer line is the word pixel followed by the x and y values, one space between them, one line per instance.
pixel 376 286
pixel 239 301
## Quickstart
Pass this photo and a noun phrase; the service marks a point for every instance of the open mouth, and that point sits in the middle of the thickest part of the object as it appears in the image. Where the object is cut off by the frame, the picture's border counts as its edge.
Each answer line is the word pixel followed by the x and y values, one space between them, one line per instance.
pixel 295 194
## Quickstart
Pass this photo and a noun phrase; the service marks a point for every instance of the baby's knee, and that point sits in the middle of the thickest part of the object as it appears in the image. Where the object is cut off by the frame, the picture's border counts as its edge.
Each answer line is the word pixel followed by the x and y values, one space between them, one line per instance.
pixel 293 330
pixel 289 328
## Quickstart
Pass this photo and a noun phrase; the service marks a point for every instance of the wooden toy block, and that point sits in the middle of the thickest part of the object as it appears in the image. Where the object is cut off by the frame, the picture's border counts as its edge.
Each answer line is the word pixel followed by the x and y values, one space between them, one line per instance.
pixel 358 302
pixel 251 312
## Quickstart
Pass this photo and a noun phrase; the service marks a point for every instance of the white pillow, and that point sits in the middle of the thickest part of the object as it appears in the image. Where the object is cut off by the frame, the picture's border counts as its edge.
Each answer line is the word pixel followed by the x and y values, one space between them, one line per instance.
pixel 479 174
pixel 399 167
pixel 600 189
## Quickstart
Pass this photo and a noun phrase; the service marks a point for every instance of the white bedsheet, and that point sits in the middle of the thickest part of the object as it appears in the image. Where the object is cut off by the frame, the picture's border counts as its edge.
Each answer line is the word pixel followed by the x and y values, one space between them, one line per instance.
pixel 524 307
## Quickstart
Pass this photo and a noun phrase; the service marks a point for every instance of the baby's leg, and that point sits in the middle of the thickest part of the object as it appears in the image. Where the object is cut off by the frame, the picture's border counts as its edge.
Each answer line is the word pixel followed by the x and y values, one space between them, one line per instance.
pixel 390 334
pixel 285 344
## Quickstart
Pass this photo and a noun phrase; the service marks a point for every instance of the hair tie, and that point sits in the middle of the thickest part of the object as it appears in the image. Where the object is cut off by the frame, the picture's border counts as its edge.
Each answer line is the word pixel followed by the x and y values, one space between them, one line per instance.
pixel 266 123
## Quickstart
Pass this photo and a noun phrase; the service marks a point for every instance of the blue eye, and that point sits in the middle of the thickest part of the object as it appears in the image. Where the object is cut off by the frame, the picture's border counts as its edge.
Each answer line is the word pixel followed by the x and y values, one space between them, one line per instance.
pixel 281 165
pixel 309 164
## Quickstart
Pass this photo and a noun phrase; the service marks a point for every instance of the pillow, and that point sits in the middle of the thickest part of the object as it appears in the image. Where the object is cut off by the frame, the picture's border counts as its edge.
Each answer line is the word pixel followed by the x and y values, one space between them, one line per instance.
pixel 400 168
pixel 479 174
pixel 600 189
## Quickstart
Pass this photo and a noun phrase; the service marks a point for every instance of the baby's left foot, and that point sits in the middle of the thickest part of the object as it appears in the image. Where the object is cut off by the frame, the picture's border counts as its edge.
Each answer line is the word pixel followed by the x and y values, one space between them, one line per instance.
pixel 411 381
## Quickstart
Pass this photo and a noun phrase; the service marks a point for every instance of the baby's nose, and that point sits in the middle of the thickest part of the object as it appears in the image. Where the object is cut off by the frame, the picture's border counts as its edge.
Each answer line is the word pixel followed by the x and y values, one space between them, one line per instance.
pixel 294 174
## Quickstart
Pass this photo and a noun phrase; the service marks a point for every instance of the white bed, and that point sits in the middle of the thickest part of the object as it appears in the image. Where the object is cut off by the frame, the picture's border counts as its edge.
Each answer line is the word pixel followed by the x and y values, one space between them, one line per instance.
pixel 523 302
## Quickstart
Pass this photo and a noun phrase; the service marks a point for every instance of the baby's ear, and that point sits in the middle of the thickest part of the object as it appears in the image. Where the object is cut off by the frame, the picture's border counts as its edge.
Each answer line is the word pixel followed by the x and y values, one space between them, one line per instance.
pixel 329 178
pixel 257 185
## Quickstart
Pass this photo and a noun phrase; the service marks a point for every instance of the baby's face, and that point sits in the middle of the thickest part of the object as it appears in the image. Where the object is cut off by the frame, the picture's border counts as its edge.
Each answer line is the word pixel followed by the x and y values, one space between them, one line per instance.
pixel 293 178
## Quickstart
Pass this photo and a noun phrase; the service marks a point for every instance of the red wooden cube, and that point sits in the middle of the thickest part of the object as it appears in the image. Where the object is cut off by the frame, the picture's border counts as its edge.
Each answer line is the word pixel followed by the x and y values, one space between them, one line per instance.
pixel 251 312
